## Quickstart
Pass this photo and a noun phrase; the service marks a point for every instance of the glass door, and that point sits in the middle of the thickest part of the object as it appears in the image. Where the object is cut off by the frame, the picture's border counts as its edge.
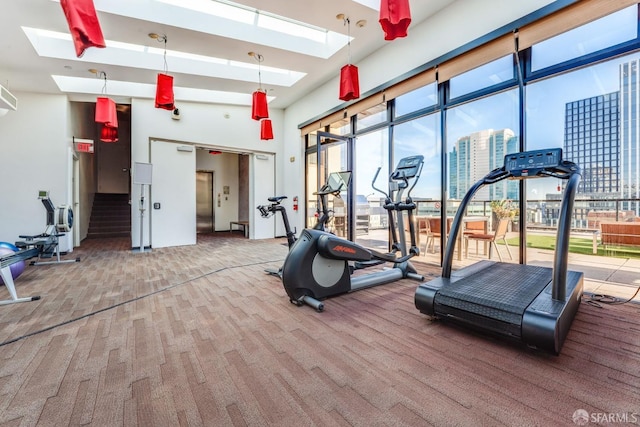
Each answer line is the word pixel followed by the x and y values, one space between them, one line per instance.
pixel 333 156
pixel 372 220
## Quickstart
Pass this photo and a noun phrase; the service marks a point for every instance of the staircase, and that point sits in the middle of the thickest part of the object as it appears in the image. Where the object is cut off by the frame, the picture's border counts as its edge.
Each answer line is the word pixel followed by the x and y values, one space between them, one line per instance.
pixel 110 216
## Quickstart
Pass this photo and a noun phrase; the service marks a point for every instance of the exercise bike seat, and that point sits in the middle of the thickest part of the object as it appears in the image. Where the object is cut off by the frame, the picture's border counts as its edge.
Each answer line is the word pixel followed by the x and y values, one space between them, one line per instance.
pixel 276 199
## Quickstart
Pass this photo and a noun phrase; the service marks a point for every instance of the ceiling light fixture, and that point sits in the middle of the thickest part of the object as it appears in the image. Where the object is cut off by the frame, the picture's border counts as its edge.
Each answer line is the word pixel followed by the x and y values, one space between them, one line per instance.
pixel 106 112
pixel 259 108
pixel 266 129
pixel 349 81
pixel 164 84
pixel 395 17
pixel 83 25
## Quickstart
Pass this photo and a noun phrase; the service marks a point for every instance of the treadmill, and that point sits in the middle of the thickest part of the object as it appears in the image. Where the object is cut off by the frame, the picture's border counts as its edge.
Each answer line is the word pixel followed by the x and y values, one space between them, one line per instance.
pixel 531 304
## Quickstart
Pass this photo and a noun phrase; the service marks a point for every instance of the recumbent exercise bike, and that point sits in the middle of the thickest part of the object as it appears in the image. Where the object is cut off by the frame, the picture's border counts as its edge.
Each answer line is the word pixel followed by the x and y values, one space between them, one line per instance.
pixel 336 183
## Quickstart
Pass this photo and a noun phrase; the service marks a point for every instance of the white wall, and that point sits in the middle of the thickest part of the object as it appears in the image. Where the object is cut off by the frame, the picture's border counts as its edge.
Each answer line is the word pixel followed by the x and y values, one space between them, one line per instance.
pixel 34 155
pixel 222 126
pixel 462 22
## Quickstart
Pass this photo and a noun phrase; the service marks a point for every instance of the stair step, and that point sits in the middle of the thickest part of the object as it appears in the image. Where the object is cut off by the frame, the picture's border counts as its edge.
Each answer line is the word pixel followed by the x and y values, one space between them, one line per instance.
pixel 104 235
pixel 110 216
pixel 117 216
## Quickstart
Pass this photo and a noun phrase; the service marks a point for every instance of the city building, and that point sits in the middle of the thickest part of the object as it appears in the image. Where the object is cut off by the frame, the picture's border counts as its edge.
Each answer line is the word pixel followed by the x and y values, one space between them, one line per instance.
pixel 474 156
pixel 592 140
pixel 629 138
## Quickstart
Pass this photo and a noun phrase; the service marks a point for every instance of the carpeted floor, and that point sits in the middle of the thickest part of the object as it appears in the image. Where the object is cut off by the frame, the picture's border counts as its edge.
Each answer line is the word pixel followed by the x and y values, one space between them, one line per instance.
pixel 200 335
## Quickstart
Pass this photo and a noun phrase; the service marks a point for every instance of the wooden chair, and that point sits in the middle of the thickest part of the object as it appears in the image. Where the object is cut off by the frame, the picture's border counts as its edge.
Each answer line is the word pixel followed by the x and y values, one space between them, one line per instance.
pixel 424 232
pixel 500 234
pixel 434 232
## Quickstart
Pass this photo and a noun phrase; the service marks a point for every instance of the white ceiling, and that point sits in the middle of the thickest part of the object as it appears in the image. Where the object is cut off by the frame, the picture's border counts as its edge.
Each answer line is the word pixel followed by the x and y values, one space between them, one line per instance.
pixel 22 69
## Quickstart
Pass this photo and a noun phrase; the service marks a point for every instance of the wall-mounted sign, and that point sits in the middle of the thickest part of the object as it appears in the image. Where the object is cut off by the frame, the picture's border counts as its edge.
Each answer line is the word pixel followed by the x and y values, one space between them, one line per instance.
pixel 83 145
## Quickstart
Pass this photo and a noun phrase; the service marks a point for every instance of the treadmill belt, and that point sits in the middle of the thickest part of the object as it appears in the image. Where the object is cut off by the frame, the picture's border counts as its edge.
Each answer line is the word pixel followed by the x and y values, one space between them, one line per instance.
pixel 500 291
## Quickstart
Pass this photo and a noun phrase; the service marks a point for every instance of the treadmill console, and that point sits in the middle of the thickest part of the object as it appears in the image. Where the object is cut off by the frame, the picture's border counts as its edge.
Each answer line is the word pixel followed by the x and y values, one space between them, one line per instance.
pixel 531 163
pixel 408 167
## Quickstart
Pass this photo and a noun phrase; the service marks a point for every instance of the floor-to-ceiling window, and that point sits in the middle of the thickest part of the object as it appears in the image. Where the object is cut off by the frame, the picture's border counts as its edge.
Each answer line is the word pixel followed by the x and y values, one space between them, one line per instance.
pixel 590 113
pixel 577 91
pixel 421 136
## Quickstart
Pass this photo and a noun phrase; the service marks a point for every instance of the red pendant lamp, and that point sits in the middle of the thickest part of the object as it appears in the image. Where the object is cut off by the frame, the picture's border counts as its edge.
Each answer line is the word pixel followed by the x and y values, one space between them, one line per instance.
pixel 395 17
pixel 83 24
pixel 349 81
pixel 259 108
pixel 164 92
pixel 106 114
pixel 266 129
pixel 109 134
pixel 164 82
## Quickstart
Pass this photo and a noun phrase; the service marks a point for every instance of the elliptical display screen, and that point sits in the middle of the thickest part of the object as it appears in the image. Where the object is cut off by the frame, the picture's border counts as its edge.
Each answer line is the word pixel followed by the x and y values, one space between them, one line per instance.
pixel 408 167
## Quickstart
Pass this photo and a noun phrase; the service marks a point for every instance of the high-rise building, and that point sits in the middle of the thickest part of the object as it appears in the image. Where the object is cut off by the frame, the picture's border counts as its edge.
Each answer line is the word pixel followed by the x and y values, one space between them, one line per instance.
pixel 592 140
pixel 629 138
pixel 474 156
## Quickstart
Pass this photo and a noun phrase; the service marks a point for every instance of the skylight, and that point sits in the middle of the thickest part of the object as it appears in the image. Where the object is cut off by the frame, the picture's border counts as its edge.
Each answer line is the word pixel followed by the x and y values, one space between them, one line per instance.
pixel 59 45
pixel 144 90
pixel 232 20
pixel 373 4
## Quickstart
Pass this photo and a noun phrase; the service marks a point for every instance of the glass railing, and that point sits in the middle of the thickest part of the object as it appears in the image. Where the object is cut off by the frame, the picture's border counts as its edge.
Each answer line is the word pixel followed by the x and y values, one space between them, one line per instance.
pixel 587 213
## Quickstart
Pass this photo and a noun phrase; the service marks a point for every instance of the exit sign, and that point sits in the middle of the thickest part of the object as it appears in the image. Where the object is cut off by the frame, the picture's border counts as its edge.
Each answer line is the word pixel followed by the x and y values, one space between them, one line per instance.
pixel 84 145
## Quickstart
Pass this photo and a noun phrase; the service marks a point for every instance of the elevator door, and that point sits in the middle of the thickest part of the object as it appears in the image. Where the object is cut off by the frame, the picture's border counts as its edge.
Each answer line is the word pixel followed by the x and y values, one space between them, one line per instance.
pixel 204 202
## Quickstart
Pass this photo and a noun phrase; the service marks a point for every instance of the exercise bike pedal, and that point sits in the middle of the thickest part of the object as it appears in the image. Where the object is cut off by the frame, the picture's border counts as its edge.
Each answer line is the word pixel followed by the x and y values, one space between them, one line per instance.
pixel 366 264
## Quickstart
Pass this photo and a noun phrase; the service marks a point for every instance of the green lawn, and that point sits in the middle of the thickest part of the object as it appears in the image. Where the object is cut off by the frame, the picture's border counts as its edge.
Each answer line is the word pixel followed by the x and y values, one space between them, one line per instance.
pixel 577 245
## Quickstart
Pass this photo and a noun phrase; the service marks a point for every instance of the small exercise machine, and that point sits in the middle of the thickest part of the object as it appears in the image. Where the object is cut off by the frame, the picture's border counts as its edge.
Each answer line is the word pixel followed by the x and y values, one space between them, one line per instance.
pixel 531 304
pixel 317 266
pixel 59 221
pixel 336 183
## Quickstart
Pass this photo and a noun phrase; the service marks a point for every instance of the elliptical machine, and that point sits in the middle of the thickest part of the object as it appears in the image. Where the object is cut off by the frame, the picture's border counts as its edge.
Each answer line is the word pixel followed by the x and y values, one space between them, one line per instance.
pixel 336 183
pixel 317 266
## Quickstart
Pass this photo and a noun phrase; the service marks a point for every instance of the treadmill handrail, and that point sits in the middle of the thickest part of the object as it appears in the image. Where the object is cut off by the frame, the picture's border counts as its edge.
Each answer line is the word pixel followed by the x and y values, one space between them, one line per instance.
pixel 567 170
pixel 560 263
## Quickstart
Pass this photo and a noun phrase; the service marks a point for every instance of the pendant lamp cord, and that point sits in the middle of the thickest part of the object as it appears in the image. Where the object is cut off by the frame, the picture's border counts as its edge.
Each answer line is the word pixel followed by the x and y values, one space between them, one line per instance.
pixel 166 67
pixel 347 22
pixel 259 58
pixel 104 86
pixel 163 39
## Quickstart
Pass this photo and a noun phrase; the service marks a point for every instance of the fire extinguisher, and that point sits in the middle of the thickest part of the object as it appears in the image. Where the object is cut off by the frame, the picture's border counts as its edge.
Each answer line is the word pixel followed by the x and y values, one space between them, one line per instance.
pixel 295 203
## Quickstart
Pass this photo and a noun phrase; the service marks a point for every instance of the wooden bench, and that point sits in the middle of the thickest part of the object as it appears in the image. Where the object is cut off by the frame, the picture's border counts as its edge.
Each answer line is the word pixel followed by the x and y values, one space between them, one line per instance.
pixel 243 224
pixel 575 232
pixel 620 233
